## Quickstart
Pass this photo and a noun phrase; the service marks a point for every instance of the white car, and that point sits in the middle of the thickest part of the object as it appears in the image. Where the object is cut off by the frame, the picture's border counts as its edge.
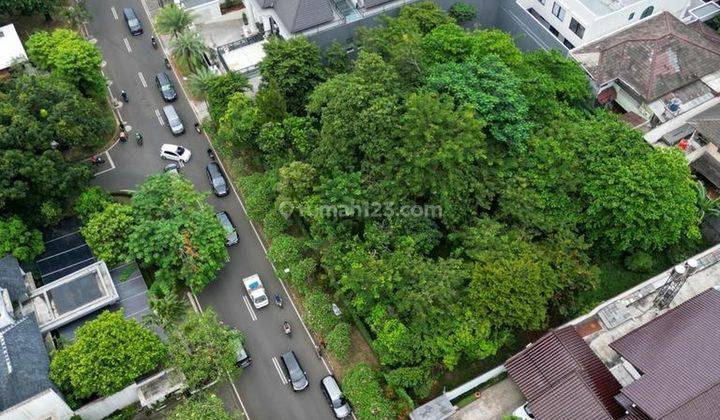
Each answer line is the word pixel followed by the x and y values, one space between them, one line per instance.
pixel 174 152
pixel 524 412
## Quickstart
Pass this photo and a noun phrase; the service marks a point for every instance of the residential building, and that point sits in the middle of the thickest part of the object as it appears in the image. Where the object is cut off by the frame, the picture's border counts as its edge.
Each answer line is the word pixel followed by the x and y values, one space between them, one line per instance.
pixel 11 48
pixel 578 22
pixel 647 354
pixel 656 74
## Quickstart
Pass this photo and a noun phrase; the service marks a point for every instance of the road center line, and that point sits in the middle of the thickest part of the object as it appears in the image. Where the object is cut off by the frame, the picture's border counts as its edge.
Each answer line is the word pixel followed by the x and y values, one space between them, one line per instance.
pixel 114 12
pixel 279 371
pixel 159 117
pixel 249 308
pixel 127 45
pixel 142 79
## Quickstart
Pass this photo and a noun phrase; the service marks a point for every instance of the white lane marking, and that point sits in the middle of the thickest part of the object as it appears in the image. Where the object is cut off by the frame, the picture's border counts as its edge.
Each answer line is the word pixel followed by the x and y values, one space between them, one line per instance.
pixel 114 12
pixel 159 117
pixel 142 79
pixel 249 308
pixel 110 161
pixel 279 371
pixel 127 45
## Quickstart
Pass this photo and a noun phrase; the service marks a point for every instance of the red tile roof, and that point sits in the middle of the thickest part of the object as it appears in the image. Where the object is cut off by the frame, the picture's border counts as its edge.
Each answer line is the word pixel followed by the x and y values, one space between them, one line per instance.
pixel 677 355
pixel 563 379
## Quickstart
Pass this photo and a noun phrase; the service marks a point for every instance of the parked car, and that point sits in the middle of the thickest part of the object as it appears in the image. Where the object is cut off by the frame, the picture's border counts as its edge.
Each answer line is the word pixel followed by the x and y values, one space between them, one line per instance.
pixel 173 120
pixel 298 377
pixel 174 152
pixel 132 21
pixel 166 87
pixel 242 358
pixel 172 168
pixel 331 389
pixel 227 224
pixel 524 412
pixel 217 179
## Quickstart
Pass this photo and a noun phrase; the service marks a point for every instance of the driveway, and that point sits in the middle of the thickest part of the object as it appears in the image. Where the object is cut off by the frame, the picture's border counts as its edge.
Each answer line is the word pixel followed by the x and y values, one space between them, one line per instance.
pixel 131 65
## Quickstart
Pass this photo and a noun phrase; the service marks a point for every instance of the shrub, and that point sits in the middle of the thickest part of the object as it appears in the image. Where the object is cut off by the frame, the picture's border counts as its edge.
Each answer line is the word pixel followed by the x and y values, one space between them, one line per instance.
pixel 285 251
pixel 300 274
pixel 274 224
pixel 416 378
pixel 462 12
pixel 365 393
pixel 320 317
pixel 201 406
pixel 259 192
pixel 92 200
pixel 639 262
pixel 338 341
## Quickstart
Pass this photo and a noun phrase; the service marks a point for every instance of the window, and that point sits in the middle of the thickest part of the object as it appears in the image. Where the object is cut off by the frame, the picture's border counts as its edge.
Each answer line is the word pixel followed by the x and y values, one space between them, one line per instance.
pixel 541 1
pixel 647 12
pixel 553 30
pixel 558 11
pixel 632 15
pixel 569 45
pixel 577 28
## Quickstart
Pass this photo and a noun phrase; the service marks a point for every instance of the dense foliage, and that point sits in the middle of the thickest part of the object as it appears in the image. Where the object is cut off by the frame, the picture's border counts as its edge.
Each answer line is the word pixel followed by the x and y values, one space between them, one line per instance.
pixel 71 57
pixel 108 354
pixel 203 348
pixel 17 239
pixel 449 189
pixel 202 406
pixel 37 183
pixel 361 386
pixel 176 233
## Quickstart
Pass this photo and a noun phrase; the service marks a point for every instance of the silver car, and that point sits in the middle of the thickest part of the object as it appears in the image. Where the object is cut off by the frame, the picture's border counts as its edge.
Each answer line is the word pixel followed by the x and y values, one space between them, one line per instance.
pixel 338 403
pixel 173 120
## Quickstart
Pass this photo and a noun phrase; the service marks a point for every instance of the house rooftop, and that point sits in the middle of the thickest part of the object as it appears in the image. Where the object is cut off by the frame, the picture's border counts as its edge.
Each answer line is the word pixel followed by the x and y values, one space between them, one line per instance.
pixel 604 7
pixel 11 49
pixel 12 278
pixel 71 297
pixel 677 355
pixel 24 363
pixel 707 123
pixel 298 15
pixel 191 4
pixel 654 57
pixel 563 379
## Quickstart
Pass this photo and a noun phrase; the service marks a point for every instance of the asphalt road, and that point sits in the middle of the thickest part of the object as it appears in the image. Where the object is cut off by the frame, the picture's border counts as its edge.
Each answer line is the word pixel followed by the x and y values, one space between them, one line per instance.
pixel 129 61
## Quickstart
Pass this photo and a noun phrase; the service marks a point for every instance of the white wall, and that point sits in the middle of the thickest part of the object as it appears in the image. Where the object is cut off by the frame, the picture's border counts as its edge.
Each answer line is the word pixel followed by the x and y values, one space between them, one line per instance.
pixel 99 409
pixel 46 405
pixel 596 25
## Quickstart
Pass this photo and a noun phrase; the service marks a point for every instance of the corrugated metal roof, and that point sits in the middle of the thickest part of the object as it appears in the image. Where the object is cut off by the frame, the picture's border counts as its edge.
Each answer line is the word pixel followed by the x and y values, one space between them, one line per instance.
pixel 677 354
pixel 563 379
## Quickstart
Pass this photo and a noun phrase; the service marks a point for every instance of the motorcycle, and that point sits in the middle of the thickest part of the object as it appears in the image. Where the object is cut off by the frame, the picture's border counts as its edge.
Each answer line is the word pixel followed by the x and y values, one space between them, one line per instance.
pixel 278 301
pixel 167 63
pixel 97 160
pixel 139 138
pixel 124 96
pixel 123 137
pixel 153 42
pixel 211 154
pixel 197 128
pixel 287 329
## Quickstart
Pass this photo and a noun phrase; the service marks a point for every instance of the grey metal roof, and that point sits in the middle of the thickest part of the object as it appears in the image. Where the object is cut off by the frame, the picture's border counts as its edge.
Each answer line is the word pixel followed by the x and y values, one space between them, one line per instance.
pixel 707 123
pixel 24 363
pixel 558 371
pixel 373 3
pixel 298 15
pixel 654 57
pixel 677 355
pixel 708 165
pixel 189 4
pixel 12 279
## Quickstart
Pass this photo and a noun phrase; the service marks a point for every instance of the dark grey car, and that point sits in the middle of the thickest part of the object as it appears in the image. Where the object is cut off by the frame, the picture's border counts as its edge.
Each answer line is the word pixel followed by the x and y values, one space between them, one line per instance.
pixel 298 379
pixel 227 224
pixel 217 179
pixel 166 87
pixel 132 21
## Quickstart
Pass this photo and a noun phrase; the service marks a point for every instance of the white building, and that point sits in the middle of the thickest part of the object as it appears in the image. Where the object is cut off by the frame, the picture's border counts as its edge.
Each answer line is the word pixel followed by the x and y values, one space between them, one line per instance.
pixel 11 49
pixel 577 22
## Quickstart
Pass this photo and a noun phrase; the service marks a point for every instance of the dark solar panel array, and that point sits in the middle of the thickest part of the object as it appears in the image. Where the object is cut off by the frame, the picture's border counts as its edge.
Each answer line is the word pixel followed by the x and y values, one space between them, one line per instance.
pixel 65 252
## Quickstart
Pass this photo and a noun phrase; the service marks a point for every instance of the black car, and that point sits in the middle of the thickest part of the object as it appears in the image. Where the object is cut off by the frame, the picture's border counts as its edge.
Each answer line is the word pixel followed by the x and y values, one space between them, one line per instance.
pixel 217 179
pixel 132 21
pixel 298 379
pixel 227 224
pixel 166 87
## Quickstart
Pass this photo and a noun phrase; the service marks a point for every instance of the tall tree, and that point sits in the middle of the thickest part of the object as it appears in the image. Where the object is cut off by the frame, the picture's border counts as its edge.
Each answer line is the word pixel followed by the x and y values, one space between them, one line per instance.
pixel 295 66
pixel 202 406
pixel 188 49
pixel 107 231
pixel 173 20
pixel 17 239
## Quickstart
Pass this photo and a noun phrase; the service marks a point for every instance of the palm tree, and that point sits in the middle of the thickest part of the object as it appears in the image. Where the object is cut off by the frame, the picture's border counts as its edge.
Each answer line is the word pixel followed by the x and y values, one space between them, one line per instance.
pixel 173 20
pixel 187 50
pixel 706 205
pixel 198 82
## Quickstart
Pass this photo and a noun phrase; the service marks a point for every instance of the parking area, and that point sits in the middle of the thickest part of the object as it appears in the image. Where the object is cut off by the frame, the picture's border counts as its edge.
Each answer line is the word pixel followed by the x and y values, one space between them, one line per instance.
pixel 65 251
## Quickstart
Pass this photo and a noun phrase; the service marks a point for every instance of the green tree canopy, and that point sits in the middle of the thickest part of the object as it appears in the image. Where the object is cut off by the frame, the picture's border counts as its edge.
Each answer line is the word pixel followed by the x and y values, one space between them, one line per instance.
pixel 17 239
pixel 107 232
pixel 203 348
pixel 108 354
pixel 202 406
pixel 176 232
pixel 173 20
pixel 71 57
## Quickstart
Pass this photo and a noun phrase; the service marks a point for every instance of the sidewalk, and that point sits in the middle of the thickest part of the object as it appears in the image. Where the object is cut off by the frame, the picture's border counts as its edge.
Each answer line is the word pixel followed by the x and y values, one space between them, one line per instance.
pixel 495 402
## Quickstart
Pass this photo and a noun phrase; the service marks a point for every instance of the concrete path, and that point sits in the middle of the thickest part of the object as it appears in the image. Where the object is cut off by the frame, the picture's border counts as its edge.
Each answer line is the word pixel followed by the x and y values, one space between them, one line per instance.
pixel 495 402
